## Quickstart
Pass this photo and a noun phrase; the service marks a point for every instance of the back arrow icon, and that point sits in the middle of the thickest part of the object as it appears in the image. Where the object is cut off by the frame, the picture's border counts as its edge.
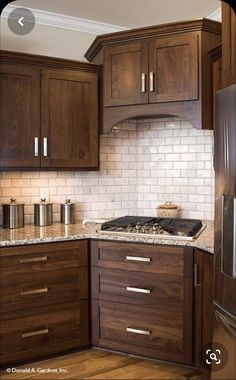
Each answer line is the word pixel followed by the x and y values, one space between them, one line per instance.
pixel 20 21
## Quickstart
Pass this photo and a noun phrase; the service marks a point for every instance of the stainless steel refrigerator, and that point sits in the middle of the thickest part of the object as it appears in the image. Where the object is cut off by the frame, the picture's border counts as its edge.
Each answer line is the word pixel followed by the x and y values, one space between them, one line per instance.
pixel 224 324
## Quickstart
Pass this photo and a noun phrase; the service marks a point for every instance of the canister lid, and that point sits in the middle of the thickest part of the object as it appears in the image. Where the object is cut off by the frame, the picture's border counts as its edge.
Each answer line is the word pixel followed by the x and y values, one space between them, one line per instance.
pixel 67 202
pixel 13 202
pixel 43 202
pixel 168 205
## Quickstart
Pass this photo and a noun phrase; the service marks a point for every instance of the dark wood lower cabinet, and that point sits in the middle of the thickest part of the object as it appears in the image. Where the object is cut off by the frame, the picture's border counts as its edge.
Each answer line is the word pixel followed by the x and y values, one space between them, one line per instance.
pixel 203 304
pixel 141 304
pixel 39 332
pixel 149 300
pixel 142 330
pixel 44 300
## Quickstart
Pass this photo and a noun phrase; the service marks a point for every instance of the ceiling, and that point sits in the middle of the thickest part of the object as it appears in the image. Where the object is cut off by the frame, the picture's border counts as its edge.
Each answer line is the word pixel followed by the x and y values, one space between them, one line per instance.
pixel 127 13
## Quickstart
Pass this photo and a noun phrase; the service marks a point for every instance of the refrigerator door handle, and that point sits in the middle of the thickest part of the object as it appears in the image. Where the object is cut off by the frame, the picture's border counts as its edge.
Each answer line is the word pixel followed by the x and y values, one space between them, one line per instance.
pixel 234 240
pixel 226 324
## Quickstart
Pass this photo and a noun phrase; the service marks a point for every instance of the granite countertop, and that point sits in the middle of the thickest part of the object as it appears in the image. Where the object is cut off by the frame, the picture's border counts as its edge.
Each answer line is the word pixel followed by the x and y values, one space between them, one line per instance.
pixel 60 232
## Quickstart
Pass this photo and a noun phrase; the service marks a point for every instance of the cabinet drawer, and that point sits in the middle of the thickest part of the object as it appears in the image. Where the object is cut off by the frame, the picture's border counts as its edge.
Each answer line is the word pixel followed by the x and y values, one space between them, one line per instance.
pixel 43 328
pixel 143 331
pixel 167 260
pixel 140 288
pixel 44 288
pixel 43 257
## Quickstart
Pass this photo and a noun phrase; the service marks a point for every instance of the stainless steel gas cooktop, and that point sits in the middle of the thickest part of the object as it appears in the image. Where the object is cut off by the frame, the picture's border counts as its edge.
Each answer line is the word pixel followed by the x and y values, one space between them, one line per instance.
pixel 165 228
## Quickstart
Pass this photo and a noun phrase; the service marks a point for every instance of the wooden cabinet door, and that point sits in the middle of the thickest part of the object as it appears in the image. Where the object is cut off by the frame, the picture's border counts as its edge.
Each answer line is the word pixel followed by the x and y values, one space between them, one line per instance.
pixel 203 304
pixel 125 71
pixel 19 116
pixel 228 45
pixel 69 119
pixel 173 68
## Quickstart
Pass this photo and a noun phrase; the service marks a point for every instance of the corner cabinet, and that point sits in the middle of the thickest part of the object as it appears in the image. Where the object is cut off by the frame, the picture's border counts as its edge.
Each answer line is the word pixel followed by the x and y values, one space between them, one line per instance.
pixel 142 300
pixel 159 70
pixel 48 114
pixel 151 71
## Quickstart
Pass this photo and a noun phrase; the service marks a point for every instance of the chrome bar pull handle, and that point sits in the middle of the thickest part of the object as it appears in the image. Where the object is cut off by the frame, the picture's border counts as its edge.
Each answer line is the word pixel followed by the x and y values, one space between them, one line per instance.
pixel 45 146
pixel 196 283
pixel 36 147
pixel 143 82
pixel 151 81
pixel 33 291
pixel 138 290
pixel 34 333
pixel 138 331
pixel 136 258
pixel 33 260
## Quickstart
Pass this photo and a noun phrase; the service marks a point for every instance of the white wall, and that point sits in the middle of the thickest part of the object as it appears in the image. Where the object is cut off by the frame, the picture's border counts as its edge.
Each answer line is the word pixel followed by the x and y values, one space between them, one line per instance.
pixel 46 40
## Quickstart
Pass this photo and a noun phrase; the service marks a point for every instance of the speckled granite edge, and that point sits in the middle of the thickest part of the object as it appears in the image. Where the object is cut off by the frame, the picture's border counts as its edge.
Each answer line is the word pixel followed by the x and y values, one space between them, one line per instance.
pixel 58 232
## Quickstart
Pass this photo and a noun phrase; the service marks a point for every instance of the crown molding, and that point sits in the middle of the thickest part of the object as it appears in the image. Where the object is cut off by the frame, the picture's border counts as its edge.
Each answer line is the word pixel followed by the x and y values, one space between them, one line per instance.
pixel 216 15
pixel 67 22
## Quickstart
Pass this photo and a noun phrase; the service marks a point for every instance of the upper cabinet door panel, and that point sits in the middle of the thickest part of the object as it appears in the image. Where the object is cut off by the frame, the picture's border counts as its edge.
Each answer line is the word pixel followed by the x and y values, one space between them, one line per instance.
pixel 19 116
pixel 173 68
pixel 69 119
pixel 125 74
pixel 228 45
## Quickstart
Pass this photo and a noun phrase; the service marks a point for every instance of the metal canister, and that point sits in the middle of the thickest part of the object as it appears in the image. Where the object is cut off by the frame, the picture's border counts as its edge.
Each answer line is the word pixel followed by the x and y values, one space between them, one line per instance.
pixel 13 214
pixel 67 212
pixel 43 213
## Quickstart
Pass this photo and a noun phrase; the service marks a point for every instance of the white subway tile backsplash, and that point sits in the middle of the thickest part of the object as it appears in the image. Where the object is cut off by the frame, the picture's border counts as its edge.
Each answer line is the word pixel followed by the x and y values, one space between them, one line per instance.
pixel 142 164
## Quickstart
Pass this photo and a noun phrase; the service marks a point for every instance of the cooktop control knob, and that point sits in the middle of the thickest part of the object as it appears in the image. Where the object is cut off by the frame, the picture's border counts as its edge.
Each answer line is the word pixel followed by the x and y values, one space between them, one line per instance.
pixel 138 227
pixel 129 228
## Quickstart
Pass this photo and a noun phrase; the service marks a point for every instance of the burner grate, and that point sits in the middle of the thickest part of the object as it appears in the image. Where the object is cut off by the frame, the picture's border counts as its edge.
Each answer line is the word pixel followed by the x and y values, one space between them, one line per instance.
pixel 124 221
pixel 175 227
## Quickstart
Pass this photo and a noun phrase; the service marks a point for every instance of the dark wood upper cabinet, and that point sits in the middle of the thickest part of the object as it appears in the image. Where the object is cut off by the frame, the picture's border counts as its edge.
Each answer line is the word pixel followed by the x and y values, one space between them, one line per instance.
pixel 216 57
pixel 69 119
pixel 173 68
pixel 158 70
pixel 48 114
pixel 19 115
pixel 125 68
pixel 228 45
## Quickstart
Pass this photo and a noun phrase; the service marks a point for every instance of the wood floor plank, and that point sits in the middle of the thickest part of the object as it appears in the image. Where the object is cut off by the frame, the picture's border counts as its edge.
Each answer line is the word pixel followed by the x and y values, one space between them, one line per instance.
pixel 99 364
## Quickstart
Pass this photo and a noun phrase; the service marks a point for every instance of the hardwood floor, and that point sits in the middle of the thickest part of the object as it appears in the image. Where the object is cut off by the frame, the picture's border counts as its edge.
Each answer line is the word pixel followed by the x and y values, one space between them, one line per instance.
pixel 98 364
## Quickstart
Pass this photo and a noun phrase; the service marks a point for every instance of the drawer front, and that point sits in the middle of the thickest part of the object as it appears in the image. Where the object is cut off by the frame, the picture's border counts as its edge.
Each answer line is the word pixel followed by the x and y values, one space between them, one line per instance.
pixel 43 257
pixel 50 326
pixel 138 287
pixel 145 331
pixel 44 288
pixel 168 260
